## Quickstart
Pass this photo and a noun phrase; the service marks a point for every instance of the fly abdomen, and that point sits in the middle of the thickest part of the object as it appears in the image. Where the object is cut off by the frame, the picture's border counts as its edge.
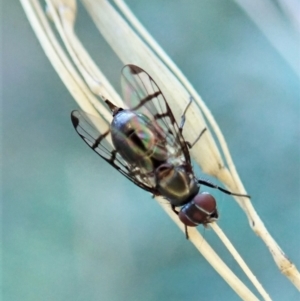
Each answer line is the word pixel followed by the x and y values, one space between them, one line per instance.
pixel 137 141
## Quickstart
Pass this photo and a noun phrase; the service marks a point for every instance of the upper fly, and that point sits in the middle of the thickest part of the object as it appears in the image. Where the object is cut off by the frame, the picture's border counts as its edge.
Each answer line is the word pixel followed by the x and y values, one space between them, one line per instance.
pixel 149 149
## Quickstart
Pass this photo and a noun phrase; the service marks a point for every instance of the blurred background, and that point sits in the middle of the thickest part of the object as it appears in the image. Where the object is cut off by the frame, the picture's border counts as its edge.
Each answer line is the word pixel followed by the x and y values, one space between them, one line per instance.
pixel 75 229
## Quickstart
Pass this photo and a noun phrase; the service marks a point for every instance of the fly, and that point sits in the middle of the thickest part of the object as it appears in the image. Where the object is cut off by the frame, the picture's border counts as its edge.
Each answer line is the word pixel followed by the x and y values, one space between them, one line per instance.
pixel 149 149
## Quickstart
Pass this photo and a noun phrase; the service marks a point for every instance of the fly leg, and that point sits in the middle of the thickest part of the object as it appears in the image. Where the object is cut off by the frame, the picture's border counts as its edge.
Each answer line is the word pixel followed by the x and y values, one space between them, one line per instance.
pixel 190 145
pixel 182 122
pixel 174 210
pixel 185 226
pixel 209 184
pixel 186 231
pixel 182 119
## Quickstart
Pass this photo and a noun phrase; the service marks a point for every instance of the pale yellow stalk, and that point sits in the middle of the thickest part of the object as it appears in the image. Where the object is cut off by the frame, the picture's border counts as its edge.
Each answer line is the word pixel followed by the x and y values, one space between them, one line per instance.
pixel 86 80
pixel 231 178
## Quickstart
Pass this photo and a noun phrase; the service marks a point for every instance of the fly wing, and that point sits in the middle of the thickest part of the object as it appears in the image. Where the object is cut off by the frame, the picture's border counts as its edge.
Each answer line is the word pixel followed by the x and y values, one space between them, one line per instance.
pixel 142 95
pixel 97 136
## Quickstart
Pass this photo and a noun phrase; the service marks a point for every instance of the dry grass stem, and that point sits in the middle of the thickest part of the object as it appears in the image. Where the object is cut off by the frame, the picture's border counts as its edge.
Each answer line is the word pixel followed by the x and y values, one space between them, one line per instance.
pixel 89 86
pixel 231 178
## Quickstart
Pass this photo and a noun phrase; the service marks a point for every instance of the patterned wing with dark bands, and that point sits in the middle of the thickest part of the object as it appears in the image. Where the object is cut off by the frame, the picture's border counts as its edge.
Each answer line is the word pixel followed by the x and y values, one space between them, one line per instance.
pixel 142 95
pixel 98 137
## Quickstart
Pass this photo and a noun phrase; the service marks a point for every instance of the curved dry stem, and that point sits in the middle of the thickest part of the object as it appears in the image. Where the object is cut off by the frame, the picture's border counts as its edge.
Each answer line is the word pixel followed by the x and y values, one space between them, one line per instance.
pixel 229 177
pixel 239 260
pixel 216 262
pixel 86 80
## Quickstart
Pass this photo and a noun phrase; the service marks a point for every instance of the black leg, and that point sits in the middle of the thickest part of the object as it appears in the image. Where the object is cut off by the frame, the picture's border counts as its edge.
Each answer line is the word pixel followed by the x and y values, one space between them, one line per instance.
pixel 182 122
pixel 174 210
pixel 186 231
pixel 209 184
pixel 190 145
pixel 185 226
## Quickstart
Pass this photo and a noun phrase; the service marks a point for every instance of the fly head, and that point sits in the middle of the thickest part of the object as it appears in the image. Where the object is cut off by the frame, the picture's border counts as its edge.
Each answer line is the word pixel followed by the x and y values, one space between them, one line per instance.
pixel 201 210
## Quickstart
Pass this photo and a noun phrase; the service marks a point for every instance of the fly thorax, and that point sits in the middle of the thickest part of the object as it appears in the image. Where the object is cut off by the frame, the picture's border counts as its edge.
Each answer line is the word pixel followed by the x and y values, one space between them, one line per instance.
pixel 136 140
pixel 176 184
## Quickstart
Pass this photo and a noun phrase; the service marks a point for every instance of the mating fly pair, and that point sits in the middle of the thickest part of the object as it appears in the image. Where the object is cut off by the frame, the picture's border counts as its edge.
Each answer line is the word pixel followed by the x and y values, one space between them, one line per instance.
pixel 149 148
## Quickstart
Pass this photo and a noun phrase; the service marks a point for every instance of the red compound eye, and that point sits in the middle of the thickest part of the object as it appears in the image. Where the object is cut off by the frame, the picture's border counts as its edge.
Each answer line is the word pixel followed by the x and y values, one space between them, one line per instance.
pixel 201 210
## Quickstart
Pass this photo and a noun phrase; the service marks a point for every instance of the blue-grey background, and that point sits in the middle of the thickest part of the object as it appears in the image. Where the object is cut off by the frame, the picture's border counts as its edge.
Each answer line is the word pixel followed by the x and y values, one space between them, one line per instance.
pixel 75 229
